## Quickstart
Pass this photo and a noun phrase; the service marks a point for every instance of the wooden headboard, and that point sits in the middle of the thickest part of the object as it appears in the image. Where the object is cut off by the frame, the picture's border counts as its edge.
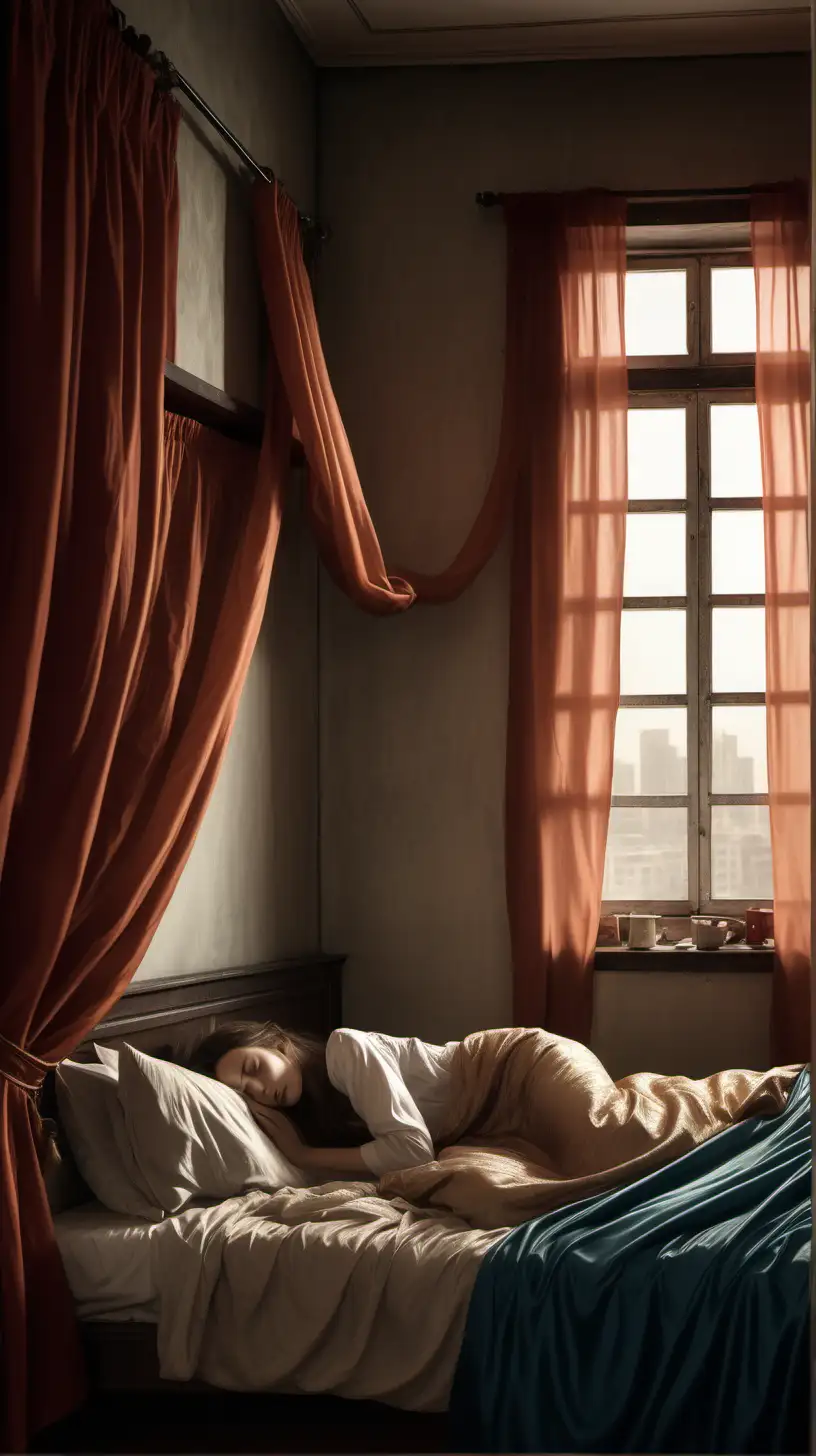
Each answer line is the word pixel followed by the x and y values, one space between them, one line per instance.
pixel 303 994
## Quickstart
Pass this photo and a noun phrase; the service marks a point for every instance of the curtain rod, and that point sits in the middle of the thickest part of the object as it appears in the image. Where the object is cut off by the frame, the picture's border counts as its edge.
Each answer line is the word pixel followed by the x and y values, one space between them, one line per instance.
pixel 677 194
pixel 169 78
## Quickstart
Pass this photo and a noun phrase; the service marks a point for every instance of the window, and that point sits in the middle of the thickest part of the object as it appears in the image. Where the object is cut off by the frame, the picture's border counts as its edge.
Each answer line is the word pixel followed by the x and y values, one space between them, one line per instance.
pixel 689 825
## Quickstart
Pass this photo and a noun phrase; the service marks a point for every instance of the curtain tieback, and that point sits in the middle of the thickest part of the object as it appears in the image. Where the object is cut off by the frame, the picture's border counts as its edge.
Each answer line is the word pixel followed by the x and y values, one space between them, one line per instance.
pixel 22 1067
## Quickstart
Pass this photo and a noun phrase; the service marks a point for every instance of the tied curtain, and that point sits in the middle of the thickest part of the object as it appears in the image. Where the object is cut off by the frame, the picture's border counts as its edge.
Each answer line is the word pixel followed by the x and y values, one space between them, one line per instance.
pixel 780 238
pixel 135 552
pixel 560 475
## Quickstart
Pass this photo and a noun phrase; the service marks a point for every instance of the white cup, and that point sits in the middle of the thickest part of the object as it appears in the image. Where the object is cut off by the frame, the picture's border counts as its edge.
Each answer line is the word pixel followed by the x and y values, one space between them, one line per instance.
pixel 709 932
pixel 642 932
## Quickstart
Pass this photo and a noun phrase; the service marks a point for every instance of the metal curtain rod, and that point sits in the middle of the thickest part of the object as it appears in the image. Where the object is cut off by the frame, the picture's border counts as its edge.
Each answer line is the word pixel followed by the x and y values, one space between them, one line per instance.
pixel 677 194
pixel 169 78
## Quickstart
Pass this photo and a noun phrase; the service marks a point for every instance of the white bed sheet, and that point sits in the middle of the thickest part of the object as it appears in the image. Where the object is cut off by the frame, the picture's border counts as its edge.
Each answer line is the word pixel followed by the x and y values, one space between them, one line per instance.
pixel 324 1290
pixel 109 1261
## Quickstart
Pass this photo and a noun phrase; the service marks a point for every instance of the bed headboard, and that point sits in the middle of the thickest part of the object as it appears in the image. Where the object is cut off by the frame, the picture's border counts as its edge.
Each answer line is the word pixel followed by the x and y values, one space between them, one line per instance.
pixel 303 993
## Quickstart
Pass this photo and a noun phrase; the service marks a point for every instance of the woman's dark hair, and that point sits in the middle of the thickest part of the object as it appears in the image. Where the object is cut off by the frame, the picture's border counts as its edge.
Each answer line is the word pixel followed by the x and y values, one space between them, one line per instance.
pixel 323 1116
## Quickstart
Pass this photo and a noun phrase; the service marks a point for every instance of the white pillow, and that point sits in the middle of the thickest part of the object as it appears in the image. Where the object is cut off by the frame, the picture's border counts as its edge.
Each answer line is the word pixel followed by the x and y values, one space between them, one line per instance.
pixel 108 1056
pixel 192 1137
pixel 94 1124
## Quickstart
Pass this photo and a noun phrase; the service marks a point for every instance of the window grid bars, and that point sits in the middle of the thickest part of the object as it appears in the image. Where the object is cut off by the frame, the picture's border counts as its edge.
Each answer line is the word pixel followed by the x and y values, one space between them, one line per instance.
pixel 699 698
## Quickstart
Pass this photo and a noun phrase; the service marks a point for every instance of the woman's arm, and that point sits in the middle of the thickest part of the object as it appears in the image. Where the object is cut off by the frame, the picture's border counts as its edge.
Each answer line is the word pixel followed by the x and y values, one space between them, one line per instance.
pixel 336 1160
pixel 374 1085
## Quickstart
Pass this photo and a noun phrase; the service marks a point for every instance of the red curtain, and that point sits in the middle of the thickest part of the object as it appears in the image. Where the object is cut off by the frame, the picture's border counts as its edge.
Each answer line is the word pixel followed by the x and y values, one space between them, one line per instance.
pixel 561 468
pixel 566 596
pixel 780 238
pixel 300 387
pixel 134 559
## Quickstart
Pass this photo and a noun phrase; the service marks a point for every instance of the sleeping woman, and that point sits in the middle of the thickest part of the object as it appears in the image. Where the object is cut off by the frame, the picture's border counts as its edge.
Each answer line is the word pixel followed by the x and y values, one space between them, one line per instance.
pixel 497 1128
pixel 359 1103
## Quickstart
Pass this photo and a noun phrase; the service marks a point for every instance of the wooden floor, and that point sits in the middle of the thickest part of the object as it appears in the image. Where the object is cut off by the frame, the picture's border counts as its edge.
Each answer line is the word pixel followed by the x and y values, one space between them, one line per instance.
pixel 237 1423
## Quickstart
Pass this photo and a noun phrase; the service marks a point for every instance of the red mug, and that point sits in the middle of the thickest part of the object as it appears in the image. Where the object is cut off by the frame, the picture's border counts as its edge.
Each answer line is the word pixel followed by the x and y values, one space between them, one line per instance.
pixel 759 925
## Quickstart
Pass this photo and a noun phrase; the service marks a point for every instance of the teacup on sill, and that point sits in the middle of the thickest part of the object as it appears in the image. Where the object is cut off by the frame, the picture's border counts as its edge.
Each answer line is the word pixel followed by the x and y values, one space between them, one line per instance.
pixel 709 932
pixel 642 931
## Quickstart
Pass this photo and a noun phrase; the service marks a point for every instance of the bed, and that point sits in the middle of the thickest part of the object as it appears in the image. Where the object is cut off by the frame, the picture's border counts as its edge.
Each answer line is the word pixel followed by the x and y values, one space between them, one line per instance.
pixel 547 1336
pixel 109 1260
pixel 111 1263
pixel 330 1290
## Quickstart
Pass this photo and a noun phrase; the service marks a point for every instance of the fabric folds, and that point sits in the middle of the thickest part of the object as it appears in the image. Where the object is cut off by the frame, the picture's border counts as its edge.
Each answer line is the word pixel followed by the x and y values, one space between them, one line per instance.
pixel 135 553
pixel 670 1315
pixel 780 238
pixel 536 1122
pixel 560 476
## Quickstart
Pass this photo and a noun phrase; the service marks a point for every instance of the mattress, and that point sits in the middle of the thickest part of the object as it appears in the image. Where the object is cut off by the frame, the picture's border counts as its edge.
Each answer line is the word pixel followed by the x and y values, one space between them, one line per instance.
pixel 109 1261
pixel 329 1290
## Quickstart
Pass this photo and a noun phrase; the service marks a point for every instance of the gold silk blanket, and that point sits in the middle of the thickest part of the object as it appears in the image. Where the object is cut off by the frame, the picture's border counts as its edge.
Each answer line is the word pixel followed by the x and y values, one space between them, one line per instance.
pixel 535 1122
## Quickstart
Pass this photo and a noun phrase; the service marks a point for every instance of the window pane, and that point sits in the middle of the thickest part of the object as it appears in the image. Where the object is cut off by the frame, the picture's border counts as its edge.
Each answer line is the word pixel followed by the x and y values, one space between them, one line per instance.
pixel 653 652
pixel 737 552
pixel 656 313
pixel 733 311
pixel 741 852
pixel 657 454
pixel 738 650
pixel 646 855
pixel 736 468
pixel 651 751
pixel 739 763
pixel 655 564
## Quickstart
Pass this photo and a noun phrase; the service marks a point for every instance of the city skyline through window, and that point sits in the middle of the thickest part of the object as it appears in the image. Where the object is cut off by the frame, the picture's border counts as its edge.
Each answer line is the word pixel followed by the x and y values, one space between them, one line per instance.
pixel 689 824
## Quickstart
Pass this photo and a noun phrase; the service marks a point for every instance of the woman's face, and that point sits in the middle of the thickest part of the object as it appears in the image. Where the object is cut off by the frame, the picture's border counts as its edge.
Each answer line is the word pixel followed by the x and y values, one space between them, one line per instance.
pixel 265 1076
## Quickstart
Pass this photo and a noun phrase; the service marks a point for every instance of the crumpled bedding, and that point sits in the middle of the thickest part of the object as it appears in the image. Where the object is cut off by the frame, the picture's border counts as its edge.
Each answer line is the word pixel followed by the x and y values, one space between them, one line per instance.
pixel 535 1122
pixel 341 1289
pixel 329 1289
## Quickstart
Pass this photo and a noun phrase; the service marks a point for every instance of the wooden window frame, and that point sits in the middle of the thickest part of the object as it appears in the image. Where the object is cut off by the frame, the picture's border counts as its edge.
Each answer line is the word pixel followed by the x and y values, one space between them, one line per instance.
pixel 694 382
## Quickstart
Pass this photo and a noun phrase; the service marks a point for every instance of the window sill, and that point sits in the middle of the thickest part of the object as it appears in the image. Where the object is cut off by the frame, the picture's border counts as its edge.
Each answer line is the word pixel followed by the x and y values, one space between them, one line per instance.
pixel 669 958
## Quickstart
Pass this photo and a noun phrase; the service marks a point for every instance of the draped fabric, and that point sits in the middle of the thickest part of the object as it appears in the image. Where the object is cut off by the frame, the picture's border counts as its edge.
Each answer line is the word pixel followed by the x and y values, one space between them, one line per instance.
pixel 780 239
pixel 671 1314
pixel 299 386
pixel 561 475
pixel 533 1121
pixel 134 560
pixel 566 595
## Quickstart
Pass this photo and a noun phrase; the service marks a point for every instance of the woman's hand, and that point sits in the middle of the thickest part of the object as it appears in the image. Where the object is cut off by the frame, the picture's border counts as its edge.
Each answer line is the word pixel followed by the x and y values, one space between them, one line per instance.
pixel 322 1162
pixel 282 1132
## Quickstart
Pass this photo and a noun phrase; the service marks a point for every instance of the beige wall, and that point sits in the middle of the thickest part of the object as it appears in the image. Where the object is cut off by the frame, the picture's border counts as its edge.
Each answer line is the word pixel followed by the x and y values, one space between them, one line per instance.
pixel 249 891
pixel 411 301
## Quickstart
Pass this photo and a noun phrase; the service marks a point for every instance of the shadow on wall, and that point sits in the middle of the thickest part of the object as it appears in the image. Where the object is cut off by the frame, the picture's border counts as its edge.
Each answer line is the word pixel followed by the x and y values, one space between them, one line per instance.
pixel 244 319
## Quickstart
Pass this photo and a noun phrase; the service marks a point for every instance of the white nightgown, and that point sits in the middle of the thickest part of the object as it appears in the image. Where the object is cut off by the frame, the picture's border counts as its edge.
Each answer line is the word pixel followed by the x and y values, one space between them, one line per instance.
pixel 398 1086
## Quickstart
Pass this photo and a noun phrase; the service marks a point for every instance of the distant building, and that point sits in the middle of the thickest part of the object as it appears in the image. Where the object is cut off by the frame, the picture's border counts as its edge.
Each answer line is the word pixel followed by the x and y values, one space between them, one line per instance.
pixel 731 772
pixel 647 848
pixel 662 767
pixel 623 777
pixel 741 866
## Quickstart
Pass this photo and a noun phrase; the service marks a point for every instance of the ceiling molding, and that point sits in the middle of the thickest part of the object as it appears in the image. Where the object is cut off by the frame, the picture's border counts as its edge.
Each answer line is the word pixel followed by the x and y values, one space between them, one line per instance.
pixel 774 12
pixel 298 21
pixel 342 33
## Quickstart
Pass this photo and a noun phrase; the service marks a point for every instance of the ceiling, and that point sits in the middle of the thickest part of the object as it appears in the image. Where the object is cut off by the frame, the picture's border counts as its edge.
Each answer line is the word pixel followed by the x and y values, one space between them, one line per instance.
pixel 452 32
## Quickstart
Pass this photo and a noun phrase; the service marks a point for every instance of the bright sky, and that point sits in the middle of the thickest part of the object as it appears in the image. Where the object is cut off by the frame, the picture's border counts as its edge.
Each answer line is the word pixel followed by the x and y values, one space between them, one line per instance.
pixel 653 643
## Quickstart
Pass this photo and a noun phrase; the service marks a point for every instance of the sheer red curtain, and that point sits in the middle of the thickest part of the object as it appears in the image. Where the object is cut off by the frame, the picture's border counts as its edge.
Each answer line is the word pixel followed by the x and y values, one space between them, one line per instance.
pixel 780 237
pixel 561 471
pixel 299 385
pixel 344 530
pixel 134 559
pixel 566 596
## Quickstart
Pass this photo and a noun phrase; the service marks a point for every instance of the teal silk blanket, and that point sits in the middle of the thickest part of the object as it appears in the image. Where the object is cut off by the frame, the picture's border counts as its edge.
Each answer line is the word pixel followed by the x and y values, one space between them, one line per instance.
pixel 671 1315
